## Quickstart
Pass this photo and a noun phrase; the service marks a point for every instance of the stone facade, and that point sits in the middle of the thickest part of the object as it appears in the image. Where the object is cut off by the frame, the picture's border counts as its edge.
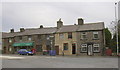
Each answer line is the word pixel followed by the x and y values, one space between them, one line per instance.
pixel 60 42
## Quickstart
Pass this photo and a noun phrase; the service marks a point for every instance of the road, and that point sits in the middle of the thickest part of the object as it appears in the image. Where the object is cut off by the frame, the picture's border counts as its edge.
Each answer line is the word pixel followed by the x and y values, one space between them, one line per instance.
pixel 21 61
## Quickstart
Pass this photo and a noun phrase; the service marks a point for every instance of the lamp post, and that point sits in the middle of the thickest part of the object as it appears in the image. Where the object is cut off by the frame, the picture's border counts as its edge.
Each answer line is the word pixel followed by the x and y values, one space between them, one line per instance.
pixel 116 21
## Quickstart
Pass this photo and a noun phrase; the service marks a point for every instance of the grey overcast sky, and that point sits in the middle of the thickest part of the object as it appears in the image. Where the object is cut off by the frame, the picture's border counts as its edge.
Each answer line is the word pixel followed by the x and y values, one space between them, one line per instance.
pixel 34 14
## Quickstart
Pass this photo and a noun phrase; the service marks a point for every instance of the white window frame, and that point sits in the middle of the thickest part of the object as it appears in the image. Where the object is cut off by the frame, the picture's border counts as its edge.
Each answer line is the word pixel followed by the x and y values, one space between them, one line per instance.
pixel 94 35
pixel 98 46
pixel 83 46
pixel 83 33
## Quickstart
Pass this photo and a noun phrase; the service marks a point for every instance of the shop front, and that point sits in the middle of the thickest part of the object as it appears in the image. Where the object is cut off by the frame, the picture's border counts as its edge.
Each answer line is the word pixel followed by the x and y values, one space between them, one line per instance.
pixel 18 46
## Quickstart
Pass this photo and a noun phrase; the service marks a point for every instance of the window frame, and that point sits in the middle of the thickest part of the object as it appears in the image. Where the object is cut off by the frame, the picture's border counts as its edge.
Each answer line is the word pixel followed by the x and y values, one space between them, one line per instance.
pixel 61 35
pixel 82 35
pixel 96 45
pixel 29 38
pixel 64 46
pixel 95 33
pixel 83 46
pixel 10 40
pixel 20 38
pixel 69 35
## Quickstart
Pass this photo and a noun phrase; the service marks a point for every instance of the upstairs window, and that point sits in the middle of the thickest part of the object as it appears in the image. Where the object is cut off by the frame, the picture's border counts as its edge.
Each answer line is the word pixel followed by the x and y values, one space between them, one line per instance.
pixel 20 38
pixel 61 35
pixel 10 40
pixel 65 45
pixel 29 38
pixel 83 35
pixel 95 35
pixel 70 35
pixel 84 48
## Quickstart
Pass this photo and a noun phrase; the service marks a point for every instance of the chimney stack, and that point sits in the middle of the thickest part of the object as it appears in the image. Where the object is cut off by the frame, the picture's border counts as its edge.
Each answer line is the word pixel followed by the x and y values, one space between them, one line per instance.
pixel 11 30
pixel 80 21
pixel 22 29
pixel 59 23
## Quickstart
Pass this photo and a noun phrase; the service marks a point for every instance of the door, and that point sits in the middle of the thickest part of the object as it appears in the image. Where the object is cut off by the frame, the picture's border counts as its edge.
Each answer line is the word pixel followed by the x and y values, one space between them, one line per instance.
pixel 90 50
pixel 4 51
pixel 73 49
pixel 57 50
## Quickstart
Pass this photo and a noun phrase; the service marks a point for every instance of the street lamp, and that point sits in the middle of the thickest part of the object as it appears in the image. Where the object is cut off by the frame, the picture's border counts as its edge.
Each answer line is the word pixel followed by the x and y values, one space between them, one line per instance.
pixel 116 21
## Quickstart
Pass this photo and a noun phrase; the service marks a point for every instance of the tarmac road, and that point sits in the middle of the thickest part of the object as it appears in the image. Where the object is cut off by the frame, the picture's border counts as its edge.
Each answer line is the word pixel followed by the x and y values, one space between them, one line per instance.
pixel 22 61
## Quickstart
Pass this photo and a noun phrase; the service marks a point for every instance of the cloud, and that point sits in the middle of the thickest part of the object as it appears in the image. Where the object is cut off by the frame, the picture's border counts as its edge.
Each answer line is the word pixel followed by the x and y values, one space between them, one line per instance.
pixel 26 14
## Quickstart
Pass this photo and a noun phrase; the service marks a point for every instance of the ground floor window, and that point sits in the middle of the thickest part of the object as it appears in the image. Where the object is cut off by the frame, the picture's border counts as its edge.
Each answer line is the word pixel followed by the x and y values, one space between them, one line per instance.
pixel 96 48
pixel 65 46
pixel 84 48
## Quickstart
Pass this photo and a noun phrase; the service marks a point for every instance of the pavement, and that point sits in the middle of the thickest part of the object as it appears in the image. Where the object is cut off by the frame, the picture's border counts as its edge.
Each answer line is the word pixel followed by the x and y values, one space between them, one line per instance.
pixel 36 61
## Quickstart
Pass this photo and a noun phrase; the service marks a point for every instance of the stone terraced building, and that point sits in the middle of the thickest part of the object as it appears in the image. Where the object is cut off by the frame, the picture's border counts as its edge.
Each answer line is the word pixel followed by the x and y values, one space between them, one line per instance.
pixel 78 39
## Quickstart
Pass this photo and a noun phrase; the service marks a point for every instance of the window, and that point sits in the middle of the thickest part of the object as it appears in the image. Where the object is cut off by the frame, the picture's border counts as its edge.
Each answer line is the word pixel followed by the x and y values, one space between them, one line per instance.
pixel 70 35
pixel 48 37
pixel 95 35
pixel 65 46
pixel 96 48
pixel 29 38
pixel 61 35
pixel 20 38
pixel 83 35
pixel 84 48
pixel 10 40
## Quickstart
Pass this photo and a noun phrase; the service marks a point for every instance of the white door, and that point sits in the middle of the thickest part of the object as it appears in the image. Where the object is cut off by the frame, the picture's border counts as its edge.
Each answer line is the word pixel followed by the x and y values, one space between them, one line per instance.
pixel 90 51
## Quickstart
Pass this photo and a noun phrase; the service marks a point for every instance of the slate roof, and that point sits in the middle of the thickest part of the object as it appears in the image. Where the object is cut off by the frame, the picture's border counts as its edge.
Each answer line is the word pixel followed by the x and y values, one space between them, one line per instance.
pixel 91 26
pixel 84 27
pixel 50 30
pixel 31 32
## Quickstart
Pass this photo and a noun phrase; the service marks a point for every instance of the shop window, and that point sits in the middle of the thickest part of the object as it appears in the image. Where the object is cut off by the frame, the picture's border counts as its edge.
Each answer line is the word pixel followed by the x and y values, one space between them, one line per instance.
pixel 95 35
pixel 70 35
pixel 84 48
pixel 65 45
pixel 96 48
pixel 83 35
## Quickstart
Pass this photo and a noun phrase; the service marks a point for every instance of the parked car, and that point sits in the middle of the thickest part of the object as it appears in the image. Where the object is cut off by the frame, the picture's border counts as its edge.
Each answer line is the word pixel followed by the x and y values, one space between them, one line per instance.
pixel 25 52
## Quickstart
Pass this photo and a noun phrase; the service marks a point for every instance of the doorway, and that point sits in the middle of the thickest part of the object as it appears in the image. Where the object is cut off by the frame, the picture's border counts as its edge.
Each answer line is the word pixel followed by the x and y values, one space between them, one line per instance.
pixel 4 51
pixel 73 49
pixel 90 50
pixel 57 50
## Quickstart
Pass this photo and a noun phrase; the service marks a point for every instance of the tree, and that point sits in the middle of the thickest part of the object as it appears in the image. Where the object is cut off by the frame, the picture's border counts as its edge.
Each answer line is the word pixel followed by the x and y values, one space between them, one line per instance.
pixel 114 43
pixel 108 37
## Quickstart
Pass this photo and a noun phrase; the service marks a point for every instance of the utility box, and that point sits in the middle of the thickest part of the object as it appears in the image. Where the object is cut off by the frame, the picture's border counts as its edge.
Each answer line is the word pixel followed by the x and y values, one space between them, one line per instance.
pixel 109 52
pixel 52 52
